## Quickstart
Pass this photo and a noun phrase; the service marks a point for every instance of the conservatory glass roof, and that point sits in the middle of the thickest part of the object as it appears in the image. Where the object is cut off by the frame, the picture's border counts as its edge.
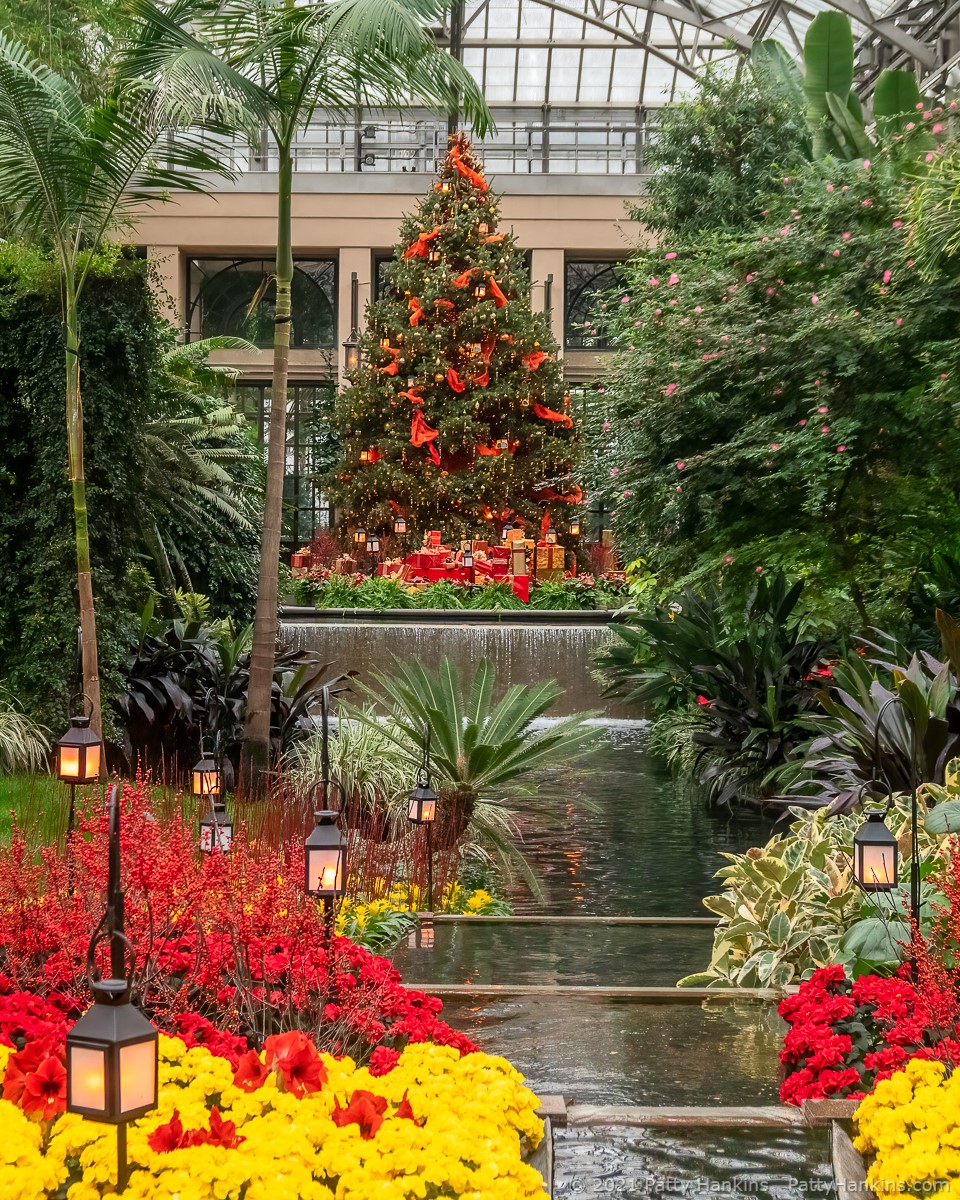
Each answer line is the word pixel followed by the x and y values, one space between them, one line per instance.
pixel 597 53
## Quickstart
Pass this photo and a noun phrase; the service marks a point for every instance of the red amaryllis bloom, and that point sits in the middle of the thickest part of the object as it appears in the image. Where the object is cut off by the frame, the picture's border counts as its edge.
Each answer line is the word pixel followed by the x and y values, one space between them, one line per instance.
pixel 45 1090
pixel 365 1110
pixel 405 1111
pixel 298 1061
pixel 167 1137
pixel 222 1133
pixel 251 1073
pixel 35 1079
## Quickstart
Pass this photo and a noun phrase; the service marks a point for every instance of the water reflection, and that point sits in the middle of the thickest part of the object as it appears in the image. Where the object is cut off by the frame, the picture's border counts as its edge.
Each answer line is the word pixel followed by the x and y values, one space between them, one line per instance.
pixel 622 838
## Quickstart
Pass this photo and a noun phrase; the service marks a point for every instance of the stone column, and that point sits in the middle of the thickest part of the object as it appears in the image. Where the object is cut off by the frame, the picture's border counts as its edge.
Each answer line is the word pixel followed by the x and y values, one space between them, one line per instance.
pixel 546 263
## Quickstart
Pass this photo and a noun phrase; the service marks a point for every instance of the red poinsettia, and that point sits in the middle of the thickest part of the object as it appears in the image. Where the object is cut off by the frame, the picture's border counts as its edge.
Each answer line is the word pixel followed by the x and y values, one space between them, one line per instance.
pixel 36 1079
pixel 382 1061
pixel 365 1110
pixel 297 1060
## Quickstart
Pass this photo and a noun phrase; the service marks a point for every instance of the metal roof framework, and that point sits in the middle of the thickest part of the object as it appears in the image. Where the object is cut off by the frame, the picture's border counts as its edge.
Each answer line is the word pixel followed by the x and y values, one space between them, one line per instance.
pixel 628 53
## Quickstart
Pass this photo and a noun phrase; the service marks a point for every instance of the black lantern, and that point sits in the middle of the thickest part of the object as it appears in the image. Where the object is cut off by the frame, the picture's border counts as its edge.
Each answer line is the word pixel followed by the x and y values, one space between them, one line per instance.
pixel 502 443
pixel 468 559
pixel 351 353
pixel 434 256
pixel 360 537
pixel 325 858
pixel 422 809
pixel 400 526
pixel 445 186
pixel 551 537
pixel 875 854
pixel 574 527
pixel 206 777
pixel 79 753
pixel 216 829
pixel 364 456
pixel 480 290
pixel 112 1051
pixel 505 532
pixel 373 543
pixel 483 229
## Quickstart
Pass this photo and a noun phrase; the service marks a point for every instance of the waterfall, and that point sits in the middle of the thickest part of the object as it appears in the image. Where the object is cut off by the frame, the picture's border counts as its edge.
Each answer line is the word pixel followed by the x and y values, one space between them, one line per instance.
pixel 521 653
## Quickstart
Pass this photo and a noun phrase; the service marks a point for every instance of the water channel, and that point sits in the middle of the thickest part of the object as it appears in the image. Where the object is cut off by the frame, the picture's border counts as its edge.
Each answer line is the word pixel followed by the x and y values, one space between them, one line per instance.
pixel 613 838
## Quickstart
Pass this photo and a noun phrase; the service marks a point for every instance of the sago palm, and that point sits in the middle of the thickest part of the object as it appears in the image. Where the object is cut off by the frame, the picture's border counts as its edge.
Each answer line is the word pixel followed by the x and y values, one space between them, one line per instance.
pixel 477 747
pixel 337 57
pixel 72 173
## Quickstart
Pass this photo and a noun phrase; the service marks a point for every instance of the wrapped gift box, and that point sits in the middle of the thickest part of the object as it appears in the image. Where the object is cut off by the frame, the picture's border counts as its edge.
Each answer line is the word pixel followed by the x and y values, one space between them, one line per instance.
pixel 550 558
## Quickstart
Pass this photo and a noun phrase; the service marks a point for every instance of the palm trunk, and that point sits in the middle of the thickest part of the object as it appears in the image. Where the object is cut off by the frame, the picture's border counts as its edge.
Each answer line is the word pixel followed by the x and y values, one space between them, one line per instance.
pixel 88 619
pixel 256 735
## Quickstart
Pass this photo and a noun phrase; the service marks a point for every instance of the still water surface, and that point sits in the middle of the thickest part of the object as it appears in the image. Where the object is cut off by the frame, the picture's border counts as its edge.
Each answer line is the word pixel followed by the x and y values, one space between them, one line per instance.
pixel 619 838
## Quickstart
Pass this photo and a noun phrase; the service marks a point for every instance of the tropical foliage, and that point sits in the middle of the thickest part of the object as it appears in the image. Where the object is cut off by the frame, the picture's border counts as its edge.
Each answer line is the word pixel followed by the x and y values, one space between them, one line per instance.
pixel 792 906
pixel 741 681
pixel 185 685
pixel 781 395
pixel 23 743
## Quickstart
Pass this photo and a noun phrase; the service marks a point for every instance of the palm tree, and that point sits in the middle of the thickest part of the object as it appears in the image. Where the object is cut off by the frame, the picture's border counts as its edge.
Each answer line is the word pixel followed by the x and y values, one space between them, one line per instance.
pixel 336 57
pixel 71 173
pixel 934 214
pixel 194 450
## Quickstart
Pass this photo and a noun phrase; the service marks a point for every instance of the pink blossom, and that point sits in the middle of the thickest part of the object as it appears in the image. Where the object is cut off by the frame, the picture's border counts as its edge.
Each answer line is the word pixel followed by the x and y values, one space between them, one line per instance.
pixel 774 445
pixel 823 407
pixel 681 465
pixel 627 495
pixel 759 569
pixel 929 158
pixel 784 231
pixel 866 164
pixel 671 388
pixel 724 338
pixel 836 254
pixel 698 309
pixel 606 427
pixel 937 129
pixel 899 320
pixel 897 224
pixel 728 559
pixel 866 203
pixel 674 278
pixel 911 125
pixel 614 471
pixel 886 276
pixel 679 488
pixel 654 282
pixel 944 376
pixel 801 423
pixel 846 237
pixel 829 187
pixel 814 299
pixel 840 449
pixel 927 116
pixel 624 299
pixel 824 428
pixel 919 106
pixel 672 254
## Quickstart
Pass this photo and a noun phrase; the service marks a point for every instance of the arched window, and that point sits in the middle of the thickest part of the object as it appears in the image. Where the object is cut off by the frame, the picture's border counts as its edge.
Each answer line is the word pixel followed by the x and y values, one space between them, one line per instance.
pixel 235 297
pixel 585 279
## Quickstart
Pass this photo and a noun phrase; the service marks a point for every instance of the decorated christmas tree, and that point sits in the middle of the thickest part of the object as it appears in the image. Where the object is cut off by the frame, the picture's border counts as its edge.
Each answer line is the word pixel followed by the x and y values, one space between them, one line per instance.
pixel 456 418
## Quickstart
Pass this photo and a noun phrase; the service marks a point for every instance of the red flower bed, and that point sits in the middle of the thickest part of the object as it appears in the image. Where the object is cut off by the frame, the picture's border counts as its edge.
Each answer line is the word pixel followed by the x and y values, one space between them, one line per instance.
pixel 845 1036
pixel 231 950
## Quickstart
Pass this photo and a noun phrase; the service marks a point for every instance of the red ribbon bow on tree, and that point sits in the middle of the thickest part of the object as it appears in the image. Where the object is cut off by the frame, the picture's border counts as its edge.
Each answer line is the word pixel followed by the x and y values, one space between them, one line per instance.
pixel 549 414
pixel 411 394
pixel 475 177
pixel 418 249
pixel 499 298
pixel 422 435
pixel 416 312
pixel 456 383
pixel 534 359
